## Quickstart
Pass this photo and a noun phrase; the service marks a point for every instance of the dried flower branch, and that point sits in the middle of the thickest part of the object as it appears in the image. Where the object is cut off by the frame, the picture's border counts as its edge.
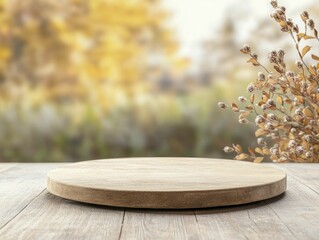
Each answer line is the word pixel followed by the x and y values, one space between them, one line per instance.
pixel 287 113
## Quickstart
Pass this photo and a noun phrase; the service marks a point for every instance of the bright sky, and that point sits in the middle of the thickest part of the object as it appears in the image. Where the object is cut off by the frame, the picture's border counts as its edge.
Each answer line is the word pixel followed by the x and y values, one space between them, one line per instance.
pixel 196 20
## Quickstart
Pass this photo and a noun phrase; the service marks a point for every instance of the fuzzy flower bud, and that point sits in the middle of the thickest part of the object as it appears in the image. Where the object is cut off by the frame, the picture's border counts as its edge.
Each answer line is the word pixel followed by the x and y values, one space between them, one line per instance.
pixel 254 56
pixel 271 102
pixel 308 154
pixel 280 12
pixel 273 53
pixel 281 53
pixel 269 126
pixel 246 49
pixel 299 150
pixel 261 141
pixel 272 56
pixel 274 3
pixel 222 105
pixel 290 23
pixel 276 16
pixel 295 28
pixel 271 117
pixel 299 64
pixel 289 74
pixel 311 24
pixel 264 107
pixel 287 118
pixel 305 15
pixel 228 149
pixel 242 99
pixel 292 144
pixel 308 138
pixel 259 119
pixel 299 112
pixel 261 76
pixel 274 151
pixel 251 88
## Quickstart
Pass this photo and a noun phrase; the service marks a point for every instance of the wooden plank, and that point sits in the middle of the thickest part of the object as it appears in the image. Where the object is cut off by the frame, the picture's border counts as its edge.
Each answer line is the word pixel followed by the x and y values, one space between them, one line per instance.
pixel 292 216
pixel 6 166
pixel 300 209
pixel 18 186
pixel 51 217
pixel 155 224
pixel 166 183
pixel 252 221
pixel 307 174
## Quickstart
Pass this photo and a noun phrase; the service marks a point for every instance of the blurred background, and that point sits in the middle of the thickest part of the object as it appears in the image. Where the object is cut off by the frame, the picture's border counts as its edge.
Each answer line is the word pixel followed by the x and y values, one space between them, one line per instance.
pixel 88 79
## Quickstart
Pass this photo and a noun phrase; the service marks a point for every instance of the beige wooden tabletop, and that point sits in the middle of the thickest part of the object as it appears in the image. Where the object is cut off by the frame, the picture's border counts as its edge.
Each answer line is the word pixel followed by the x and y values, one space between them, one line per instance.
pixel 28 211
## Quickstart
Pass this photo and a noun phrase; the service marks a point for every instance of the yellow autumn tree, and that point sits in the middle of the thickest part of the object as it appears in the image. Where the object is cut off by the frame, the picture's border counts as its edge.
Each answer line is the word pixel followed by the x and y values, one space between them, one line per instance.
pixel 88 50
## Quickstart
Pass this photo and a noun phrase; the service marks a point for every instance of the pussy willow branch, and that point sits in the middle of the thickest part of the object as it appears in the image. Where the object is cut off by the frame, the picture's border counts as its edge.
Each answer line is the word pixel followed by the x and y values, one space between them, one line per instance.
pixel 297 46
pixel 299 53
pixel 260 64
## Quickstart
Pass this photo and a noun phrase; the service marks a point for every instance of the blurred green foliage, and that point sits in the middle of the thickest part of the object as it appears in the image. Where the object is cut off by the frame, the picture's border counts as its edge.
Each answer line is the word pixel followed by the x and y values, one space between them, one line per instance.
pixel 79 80
pixel 160 125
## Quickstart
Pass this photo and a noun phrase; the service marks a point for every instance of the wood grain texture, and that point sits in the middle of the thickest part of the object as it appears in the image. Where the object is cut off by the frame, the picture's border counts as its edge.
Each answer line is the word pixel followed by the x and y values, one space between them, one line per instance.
pixel 253 221
pixel 300 209
pixel 159 224
pixel 305 174
pixel 19 184
pixel 170 183
pixel 50 217
pixel 293 215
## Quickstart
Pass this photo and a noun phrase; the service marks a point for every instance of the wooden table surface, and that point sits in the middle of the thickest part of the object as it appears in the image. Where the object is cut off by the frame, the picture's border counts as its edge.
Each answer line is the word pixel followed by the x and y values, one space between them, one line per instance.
pixel 28 211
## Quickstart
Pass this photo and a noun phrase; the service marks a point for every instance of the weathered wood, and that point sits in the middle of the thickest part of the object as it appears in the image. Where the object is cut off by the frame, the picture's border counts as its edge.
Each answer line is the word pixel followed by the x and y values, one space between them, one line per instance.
pixel 307 174
pixel 253 221
pixel 50 217
pixel 300 208
pixel 6 166
pixel 40 215
pixel 156 224
pixel 19 184
pixel 291 216
pixel 175 183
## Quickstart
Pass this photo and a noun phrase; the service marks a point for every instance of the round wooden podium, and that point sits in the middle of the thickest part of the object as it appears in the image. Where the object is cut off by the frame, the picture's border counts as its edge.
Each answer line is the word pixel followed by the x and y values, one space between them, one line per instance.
pixel 166 183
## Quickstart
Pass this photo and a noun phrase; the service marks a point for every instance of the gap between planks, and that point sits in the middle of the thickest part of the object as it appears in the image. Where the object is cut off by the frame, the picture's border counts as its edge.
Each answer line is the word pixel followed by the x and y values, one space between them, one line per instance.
pixel 22 209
